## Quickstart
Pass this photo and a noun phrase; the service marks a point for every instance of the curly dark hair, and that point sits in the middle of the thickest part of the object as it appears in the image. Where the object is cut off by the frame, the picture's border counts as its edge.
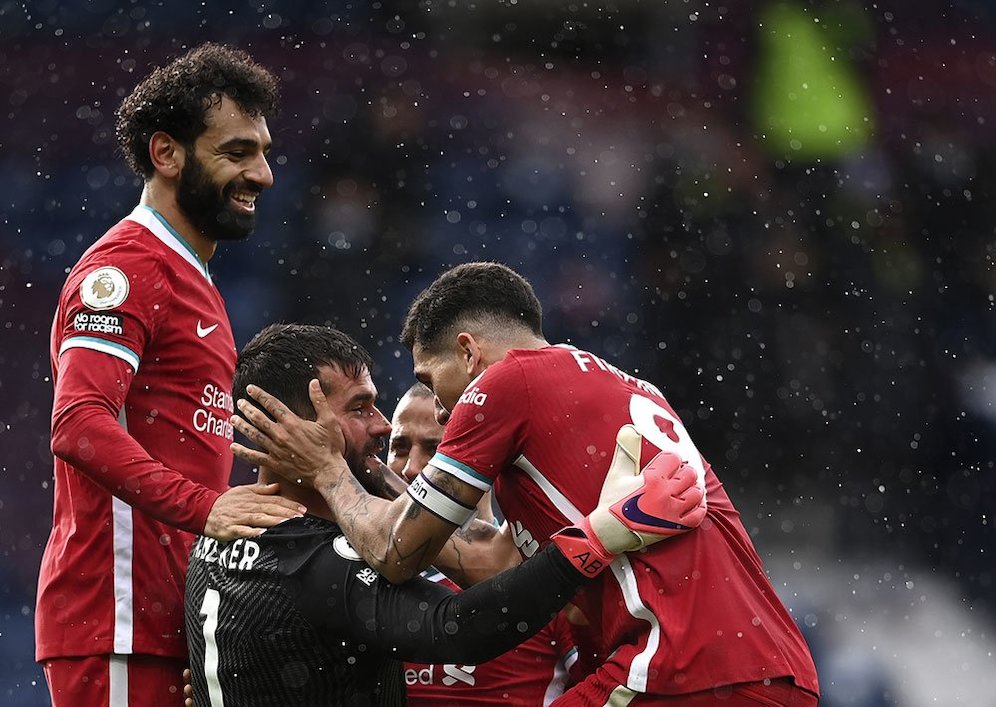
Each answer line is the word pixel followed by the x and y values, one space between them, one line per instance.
pixel 491 294
pixel 175 98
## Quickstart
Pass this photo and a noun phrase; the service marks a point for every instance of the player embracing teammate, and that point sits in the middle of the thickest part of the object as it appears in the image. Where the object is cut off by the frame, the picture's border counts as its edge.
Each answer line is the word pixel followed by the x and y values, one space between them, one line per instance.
pixel 689 621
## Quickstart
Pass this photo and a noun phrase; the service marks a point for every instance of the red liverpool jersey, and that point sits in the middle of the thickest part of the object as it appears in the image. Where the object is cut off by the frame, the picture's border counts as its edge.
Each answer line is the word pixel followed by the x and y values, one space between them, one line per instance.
pixel 687 614
pixel 532 674
pixel 142 362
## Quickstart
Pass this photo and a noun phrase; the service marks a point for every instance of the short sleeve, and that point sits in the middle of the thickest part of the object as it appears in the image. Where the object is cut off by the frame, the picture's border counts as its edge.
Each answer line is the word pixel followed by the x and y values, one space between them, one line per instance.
pixel 487 427
pixel 114 304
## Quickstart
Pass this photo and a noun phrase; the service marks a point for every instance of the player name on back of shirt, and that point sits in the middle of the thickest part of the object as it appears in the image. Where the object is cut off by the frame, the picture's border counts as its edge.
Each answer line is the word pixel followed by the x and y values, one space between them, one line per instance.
pixel 240 555
pixel 585 361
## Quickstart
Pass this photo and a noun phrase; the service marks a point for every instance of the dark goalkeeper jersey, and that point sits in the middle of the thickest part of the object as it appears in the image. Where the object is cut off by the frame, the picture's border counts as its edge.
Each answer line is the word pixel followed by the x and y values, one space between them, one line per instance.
pixel 296 617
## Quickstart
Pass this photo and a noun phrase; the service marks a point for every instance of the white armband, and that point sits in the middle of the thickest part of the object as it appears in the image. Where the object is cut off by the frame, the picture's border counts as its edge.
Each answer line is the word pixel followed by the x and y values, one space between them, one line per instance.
pixel 438 502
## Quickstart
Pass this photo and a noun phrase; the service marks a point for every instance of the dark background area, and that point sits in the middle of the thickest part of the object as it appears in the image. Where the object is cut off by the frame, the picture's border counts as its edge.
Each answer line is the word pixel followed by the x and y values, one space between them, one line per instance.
pixel 780 213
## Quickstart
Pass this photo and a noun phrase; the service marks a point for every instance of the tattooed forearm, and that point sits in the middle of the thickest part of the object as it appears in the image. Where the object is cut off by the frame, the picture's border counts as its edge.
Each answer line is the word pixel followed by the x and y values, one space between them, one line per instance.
pixel 478 531
pixel 446 482
pixel 413 512
pixel 418 554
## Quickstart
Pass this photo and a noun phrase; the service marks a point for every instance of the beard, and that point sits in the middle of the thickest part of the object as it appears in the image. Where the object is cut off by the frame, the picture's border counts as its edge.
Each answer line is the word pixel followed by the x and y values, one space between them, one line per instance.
pixel 356 457
pixel 208 205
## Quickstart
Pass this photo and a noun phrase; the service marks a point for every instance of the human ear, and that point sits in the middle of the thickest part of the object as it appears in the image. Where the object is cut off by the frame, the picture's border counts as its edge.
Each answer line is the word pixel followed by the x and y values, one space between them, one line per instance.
pixel 167 154
pixel 470 351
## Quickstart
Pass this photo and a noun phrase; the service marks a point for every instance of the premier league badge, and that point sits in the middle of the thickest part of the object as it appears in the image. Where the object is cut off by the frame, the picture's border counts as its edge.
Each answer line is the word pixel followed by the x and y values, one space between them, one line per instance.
pixel 104 288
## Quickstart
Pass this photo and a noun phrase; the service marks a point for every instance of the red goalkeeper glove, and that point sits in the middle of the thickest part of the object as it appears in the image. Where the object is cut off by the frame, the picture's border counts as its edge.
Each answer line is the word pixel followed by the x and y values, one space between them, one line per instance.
pixel 635 508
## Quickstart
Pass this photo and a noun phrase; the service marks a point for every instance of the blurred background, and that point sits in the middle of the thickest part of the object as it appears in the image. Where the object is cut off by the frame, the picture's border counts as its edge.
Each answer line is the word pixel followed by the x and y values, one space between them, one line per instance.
pixel 779 212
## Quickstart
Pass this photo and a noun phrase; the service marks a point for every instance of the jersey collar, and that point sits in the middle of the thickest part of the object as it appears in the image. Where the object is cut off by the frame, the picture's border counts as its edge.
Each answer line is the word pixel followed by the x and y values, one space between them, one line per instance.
pixel 155 222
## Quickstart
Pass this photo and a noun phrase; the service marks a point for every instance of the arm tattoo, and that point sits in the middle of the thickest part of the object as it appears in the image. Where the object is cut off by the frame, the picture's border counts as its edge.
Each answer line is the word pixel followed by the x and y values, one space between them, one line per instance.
pixel 478 530
pixel 419 554
pixel 413 512
pixel 448 483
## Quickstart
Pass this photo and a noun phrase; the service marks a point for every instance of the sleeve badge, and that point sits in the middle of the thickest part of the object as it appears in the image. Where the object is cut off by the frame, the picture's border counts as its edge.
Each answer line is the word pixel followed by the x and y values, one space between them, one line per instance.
pixel 104 288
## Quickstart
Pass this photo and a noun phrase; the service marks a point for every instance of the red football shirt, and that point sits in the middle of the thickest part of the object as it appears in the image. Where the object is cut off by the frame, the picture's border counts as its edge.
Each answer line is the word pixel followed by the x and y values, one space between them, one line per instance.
pixel 687 614
pixel 533 673
pixel 142 362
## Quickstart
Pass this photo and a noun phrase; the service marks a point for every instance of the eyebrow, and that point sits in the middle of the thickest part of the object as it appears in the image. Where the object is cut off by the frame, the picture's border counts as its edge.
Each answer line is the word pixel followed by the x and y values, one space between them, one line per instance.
pixel 243 142
pixel 361 398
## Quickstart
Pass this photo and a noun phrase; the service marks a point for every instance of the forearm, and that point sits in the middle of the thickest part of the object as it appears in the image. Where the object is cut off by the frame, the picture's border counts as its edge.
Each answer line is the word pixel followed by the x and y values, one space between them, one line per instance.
pixel 495 615
pixel 88 437
pixel 476 553
pixel 396 538
pixel 365 519
pixel 380 481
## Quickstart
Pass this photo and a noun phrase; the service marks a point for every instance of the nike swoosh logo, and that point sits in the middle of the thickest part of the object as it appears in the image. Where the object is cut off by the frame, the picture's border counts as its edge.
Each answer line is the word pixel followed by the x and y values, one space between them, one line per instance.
pixel 204 331
pixel 631 511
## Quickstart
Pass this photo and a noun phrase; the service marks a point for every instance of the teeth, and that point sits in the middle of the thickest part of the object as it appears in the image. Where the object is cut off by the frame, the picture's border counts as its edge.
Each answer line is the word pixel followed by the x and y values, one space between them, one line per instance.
pixel 245 198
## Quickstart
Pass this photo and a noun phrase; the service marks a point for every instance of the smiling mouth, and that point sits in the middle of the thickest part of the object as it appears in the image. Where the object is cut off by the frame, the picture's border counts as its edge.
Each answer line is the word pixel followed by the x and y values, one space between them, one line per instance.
pixel 244 201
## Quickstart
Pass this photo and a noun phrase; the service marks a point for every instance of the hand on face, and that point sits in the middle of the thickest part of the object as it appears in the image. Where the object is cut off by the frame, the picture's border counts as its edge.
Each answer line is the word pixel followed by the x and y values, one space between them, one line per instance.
pixel 299 450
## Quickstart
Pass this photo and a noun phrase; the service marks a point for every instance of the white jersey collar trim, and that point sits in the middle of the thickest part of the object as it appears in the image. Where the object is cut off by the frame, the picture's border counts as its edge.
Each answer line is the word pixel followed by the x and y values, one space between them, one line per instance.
pixel 160 228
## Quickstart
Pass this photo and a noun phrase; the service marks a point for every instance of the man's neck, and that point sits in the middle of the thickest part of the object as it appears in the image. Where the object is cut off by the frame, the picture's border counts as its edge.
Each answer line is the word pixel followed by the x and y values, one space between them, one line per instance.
pixel 307 497
pixel 495 351
pixel 163 199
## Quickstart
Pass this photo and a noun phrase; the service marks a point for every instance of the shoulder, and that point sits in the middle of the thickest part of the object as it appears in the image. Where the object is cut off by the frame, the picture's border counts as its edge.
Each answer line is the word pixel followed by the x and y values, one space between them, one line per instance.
pixel 126 239
pixel 310 543
pixel 539 363
pixel 525 370
pixel 127 255
pixel 304 530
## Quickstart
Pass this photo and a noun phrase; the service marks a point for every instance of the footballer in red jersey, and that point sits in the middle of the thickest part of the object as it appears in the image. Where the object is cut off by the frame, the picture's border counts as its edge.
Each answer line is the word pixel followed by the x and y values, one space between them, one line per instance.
pixel 142 360
pixel 533 673
pixel 688 621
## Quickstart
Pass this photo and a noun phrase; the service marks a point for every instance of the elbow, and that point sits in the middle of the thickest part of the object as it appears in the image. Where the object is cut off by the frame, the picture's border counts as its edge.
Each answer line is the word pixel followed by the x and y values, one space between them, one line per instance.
pixel 394 572
pixel 62 445
pixel 72 433
pixel 385 562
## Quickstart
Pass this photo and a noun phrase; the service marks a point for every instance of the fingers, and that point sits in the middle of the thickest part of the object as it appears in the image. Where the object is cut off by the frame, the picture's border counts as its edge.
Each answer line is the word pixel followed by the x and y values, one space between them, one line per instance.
pixel 626 457
pixel 269 518
pixel 282 508
pixel 271 490
pixel 629 441
pixel 376 464
pixel 318 401
pixel 273 406
pixel 262 489
pixel 254 424
pixel 666 464
pixel 683 479
pixel 254 457
pixel 246 499
pixel 241 531
pixel 249 431
pixel 188 689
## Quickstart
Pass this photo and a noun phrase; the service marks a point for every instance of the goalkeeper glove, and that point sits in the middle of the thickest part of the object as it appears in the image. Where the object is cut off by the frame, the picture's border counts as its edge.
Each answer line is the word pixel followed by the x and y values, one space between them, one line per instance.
pixel 634 509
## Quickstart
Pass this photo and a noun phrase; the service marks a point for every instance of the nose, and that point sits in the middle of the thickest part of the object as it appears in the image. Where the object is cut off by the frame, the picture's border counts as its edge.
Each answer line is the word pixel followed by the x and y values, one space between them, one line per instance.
pixel 260 173
pixel 411 470
pixel 418 458
pixel 442 414
pixel 379 426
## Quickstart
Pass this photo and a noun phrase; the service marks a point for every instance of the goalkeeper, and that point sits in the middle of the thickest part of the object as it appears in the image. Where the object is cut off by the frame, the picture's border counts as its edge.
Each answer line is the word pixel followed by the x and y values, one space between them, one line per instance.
pixel 690 621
